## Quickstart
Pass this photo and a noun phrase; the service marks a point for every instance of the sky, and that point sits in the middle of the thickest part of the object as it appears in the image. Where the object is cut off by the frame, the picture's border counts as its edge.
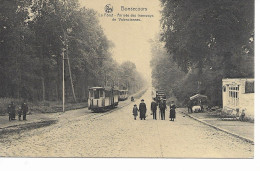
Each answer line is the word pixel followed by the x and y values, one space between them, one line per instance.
pixel 131 38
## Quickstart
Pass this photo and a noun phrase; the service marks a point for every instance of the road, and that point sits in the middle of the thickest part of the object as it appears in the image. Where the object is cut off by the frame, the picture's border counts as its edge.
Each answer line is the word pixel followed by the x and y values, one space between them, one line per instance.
pixel 80 133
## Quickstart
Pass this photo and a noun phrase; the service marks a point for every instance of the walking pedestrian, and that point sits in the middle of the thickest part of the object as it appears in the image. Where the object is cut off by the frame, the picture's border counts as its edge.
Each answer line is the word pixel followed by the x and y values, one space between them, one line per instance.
pixel 154 108
pixel 135 111
pixel 162 107
pixel 24 110
pixel 142 109
pixel 172 111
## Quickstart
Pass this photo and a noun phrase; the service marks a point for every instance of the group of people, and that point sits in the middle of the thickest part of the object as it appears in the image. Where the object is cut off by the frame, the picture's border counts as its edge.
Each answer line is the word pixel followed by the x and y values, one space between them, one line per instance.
pixel 22 110
pixel 154 105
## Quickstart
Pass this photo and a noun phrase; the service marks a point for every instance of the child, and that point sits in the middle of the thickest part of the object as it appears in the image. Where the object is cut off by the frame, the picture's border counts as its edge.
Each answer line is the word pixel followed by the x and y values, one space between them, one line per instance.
pixel 135 111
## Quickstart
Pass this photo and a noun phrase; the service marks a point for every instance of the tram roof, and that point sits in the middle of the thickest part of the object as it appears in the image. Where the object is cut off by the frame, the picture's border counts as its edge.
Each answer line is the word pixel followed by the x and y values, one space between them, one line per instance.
pixel 103 88
pixel 96 88
pixel 198 96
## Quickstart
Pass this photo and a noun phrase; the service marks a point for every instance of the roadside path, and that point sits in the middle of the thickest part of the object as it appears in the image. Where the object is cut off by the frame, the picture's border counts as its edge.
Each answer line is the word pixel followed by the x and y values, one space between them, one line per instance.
pixel 243 130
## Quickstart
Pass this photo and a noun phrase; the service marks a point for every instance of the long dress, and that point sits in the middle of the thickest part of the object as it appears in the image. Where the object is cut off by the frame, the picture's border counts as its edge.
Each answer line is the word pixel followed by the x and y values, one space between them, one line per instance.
pixel 172 111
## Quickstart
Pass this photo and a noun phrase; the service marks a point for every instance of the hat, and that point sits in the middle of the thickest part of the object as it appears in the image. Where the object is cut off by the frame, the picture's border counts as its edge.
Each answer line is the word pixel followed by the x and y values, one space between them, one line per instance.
pixel 135 105
pixel 142 100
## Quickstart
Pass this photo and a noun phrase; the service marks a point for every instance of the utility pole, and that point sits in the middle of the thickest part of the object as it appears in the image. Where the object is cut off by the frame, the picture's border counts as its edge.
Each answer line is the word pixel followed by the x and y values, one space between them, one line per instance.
pixel 67 56
pixel 63 82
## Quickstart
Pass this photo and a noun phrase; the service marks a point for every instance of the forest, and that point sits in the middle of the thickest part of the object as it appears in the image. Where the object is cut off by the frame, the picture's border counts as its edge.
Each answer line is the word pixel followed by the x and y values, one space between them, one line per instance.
pixel 201 42
pixel 35 36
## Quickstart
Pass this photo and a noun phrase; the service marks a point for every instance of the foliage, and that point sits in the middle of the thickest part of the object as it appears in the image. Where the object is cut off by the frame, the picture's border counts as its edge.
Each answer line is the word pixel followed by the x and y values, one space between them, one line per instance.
pixel 34 34
pixel 206 39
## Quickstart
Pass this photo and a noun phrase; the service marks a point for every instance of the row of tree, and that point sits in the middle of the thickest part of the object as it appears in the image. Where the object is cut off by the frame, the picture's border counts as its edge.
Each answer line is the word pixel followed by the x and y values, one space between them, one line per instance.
pixel 202 42
pixel 35 35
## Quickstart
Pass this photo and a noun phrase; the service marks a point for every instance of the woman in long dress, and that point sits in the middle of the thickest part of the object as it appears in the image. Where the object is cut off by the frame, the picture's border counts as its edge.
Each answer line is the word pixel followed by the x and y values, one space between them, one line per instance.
pixel 172 111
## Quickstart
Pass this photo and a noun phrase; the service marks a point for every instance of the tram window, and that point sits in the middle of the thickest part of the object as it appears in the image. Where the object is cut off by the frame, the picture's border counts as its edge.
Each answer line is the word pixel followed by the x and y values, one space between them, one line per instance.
pixel 107 93
pixel 91 93
pixel 101 93
pixel 96 94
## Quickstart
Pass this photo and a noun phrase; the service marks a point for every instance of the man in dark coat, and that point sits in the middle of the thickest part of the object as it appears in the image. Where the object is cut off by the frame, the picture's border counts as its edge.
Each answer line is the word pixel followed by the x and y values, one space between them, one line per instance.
pixel 154 108
pixel 142 109
pixel 20 112
pixel 162 108
pixel 189 106
pixel 24 110
pixel 9 111
pixel 12 111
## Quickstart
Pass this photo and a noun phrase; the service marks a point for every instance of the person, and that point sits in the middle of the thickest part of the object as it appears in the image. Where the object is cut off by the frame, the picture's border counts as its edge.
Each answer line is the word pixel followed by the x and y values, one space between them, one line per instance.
pixel 189 106
pixel 20 113
pixel 154 108
pixel 242 116
pixel 12 111
pixel 142 109
pixel 172 111
pixel 132 99
pixel 9 111
pixel 135 111
pixel 24 110
pixel 162 108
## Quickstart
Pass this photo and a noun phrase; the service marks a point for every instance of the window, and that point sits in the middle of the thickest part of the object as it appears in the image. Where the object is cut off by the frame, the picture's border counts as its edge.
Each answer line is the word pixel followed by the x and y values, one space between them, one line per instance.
pixel 249 87
pixel 96 94
pixel 233 95
pixel 101 92
pixel 107 93
pixel 90 93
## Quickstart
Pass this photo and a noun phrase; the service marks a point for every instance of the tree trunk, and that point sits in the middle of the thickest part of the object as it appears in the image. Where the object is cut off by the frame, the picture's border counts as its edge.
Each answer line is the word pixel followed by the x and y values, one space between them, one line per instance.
pixel 43 89
pixel 58 80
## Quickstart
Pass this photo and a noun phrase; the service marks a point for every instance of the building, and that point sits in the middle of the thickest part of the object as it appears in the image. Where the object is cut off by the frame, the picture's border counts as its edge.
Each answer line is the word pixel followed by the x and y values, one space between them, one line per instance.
pixel 238 96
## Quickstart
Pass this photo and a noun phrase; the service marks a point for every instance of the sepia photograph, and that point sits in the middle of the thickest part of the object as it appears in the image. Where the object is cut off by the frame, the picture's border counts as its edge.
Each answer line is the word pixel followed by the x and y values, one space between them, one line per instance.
pixel 133 79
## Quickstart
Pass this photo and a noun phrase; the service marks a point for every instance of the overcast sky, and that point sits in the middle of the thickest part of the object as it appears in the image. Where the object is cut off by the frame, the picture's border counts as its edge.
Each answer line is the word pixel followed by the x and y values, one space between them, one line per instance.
pixel 130 37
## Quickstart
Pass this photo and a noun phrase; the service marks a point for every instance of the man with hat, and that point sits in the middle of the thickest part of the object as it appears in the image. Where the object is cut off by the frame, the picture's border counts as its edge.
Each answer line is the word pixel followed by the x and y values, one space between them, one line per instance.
pixel 142 109
pixel 154 108
pixel 24 110
pixel 162 107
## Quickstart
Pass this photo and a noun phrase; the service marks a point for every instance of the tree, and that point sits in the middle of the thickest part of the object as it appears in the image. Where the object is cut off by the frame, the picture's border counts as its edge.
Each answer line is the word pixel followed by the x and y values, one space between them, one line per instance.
pixel 35 34
pixel 211 38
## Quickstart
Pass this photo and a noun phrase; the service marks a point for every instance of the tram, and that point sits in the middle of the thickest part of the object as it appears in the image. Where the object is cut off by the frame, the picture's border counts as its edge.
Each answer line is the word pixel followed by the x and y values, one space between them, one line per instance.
pixel 102 98
pixel 123 95
pixel 160 94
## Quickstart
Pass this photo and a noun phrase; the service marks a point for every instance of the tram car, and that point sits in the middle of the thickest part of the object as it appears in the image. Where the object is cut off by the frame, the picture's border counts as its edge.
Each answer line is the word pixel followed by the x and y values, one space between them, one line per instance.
pixel 160 94
pixel 102 98
pixel 123 95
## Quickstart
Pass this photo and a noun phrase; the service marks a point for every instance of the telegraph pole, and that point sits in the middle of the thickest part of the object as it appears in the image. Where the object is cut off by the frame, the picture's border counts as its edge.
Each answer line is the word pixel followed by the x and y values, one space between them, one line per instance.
pixel 67 56
pixel 63 82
